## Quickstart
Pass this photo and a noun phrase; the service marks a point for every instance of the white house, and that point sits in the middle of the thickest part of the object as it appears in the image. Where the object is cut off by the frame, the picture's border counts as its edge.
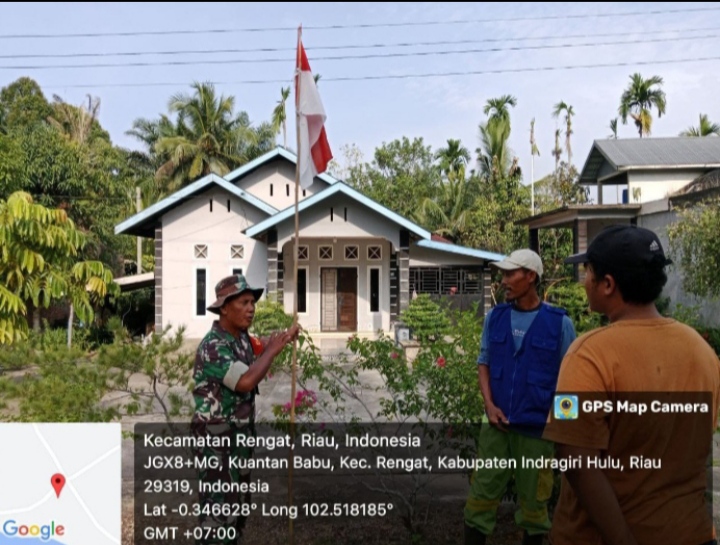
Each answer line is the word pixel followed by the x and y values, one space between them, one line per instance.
pixel 653 176
pixel 359 262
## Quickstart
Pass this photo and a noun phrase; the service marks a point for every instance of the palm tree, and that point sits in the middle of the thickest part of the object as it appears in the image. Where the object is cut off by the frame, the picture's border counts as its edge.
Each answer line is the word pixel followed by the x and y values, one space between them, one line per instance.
pixel 494 153
pixel 279 117
pixel 448 214
pixel 559 108
pixel 638 100
pixel 497 108
pixel 705 128
pixel 557 151
pixel 209 137
pixel 453 158
pixel 613 128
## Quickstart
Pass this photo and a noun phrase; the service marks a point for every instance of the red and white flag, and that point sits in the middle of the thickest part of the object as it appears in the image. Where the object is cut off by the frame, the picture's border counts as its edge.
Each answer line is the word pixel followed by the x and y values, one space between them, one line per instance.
pixel 314 154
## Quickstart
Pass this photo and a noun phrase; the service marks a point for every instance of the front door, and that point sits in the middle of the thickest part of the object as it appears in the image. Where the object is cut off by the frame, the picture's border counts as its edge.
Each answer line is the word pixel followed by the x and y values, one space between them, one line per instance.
pixel 338 299
pixel 347 299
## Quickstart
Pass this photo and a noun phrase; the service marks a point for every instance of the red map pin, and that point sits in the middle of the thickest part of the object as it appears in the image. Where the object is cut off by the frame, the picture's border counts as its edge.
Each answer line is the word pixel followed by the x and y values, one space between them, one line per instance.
pixel 57 481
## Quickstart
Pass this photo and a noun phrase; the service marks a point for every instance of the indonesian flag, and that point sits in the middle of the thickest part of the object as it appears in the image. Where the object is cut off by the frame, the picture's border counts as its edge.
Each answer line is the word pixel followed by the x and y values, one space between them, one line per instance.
pixel 314 154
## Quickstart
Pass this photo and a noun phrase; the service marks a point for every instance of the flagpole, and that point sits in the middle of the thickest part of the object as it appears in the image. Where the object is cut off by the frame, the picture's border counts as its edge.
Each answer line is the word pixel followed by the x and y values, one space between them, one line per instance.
pixel 293 383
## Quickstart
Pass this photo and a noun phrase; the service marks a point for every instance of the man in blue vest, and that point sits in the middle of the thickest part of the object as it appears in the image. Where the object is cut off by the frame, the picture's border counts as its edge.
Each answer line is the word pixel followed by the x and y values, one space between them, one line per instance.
pixel 523 342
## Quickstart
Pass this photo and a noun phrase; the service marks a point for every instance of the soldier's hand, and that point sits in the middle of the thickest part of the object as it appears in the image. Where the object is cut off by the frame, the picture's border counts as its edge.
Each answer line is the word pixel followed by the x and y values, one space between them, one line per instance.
pixel 496 417
pixel 294 331
pixel 277 342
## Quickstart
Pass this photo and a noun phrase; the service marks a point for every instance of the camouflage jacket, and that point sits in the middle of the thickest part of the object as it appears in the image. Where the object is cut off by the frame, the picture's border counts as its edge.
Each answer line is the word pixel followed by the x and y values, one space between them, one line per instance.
pixel 220 361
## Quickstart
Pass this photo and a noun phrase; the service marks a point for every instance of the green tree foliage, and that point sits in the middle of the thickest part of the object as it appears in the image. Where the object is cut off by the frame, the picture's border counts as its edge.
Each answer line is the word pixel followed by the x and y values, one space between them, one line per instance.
pixel 38 263
pixel 558 109
pixel 638 100
pixel 279 115
pixel 63 158
pixel 446 214
pixel 426 319
pixel 403 173
pixel 208 137
pixel 695 246
pixel 704 128
pixel 23 104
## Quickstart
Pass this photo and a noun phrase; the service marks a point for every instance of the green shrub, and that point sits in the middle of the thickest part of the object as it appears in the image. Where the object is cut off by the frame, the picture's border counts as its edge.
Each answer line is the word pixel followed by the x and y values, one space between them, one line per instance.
pixel 571 296
pixel 269 316
pixel 426 319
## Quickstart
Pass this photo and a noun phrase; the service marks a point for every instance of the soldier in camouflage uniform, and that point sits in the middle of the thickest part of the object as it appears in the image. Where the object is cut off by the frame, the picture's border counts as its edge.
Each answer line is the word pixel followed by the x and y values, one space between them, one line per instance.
pixel 226 376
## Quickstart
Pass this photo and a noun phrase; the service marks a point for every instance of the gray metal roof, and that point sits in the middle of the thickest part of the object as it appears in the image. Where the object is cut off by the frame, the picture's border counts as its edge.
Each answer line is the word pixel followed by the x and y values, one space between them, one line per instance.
pixel 649 153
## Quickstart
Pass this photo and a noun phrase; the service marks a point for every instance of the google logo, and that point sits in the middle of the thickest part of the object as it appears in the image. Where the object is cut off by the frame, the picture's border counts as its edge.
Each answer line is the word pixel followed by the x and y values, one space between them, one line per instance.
pixel 44 532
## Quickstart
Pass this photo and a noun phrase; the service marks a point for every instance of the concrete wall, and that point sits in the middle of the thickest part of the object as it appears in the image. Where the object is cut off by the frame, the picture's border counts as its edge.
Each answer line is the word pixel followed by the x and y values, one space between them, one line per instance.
pixel 280 175
pixel 654 185
pixel 329 218
pixel 193 223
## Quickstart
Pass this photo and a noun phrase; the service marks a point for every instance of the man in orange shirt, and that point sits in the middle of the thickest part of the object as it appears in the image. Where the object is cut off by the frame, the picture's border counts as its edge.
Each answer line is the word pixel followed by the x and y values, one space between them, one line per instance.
pixel 638 457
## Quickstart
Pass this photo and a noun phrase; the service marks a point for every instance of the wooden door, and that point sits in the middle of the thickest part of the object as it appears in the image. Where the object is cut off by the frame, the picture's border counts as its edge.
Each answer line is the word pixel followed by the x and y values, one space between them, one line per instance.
pixel 347 299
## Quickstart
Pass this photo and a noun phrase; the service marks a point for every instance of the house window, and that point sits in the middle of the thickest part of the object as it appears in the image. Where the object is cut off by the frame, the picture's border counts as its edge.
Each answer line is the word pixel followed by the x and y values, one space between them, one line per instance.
pixel 302 290
pixel 303 192
pixel 287 190
pixel 352 253
pixel 201 251
pixel 374 290
pixel 331 214
pixel 374 253
pixel 303 253
pixel 210 205
pixel 200 291
pixel 271 190
pixel 237 251
pixel 228 205
pixel 325 253
pixel 346 213
pixel 237 271
pixel 446 280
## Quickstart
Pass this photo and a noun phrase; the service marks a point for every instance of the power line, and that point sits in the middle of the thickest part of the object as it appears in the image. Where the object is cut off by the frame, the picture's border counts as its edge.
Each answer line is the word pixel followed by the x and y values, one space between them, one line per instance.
pixel 356 57
pixel 339 47
pixel 402 76
pixel 643 13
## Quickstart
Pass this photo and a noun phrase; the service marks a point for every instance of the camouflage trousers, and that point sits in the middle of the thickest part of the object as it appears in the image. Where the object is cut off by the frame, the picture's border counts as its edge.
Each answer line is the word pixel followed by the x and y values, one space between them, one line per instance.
pixel 221 512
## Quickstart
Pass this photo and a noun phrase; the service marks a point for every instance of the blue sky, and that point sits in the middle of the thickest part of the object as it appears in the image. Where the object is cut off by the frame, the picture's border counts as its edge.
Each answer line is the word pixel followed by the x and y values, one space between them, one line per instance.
pixel 369 112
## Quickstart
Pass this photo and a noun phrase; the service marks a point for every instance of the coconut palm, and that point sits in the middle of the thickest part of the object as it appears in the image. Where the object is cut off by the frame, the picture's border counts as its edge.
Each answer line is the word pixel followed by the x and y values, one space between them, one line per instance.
pixel 558 109
pixel 209 137
pixel 279 116
pixel 638 100
pixel 705 128
pixel 448 214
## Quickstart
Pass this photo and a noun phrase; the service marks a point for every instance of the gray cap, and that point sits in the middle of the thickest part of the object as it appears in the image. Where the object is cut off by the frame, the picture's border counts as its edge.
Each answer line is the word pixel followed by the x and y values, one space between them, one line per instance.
pixel 521 259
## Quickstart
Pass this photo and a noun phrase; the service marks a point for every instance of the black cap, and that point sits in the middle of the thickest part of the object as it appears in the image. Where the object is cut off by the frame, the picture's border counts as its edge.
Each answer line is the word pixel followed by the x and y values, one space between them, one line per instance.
pixel 624 247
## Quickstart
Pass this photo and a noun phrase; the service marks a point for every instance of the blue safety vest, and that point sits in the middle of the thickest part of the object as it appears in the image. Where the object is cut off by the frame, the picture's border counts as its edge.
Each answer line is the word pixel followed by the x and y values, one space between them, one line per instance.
pixel 523 383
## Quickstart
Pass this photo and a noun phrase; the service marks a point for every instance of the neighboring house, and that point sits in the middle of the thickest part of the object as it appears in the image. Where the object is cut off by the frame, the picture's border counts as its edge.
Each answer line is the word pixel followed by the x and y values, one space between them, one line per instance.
pixel 359 263
pixel 652 177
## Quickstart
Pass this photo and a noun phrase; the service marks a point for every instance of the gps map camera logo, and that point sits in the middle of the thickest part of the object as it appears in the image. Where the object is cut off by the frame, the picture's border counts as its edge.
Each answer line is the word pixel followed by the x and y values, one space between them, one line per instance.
pixel 566 407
